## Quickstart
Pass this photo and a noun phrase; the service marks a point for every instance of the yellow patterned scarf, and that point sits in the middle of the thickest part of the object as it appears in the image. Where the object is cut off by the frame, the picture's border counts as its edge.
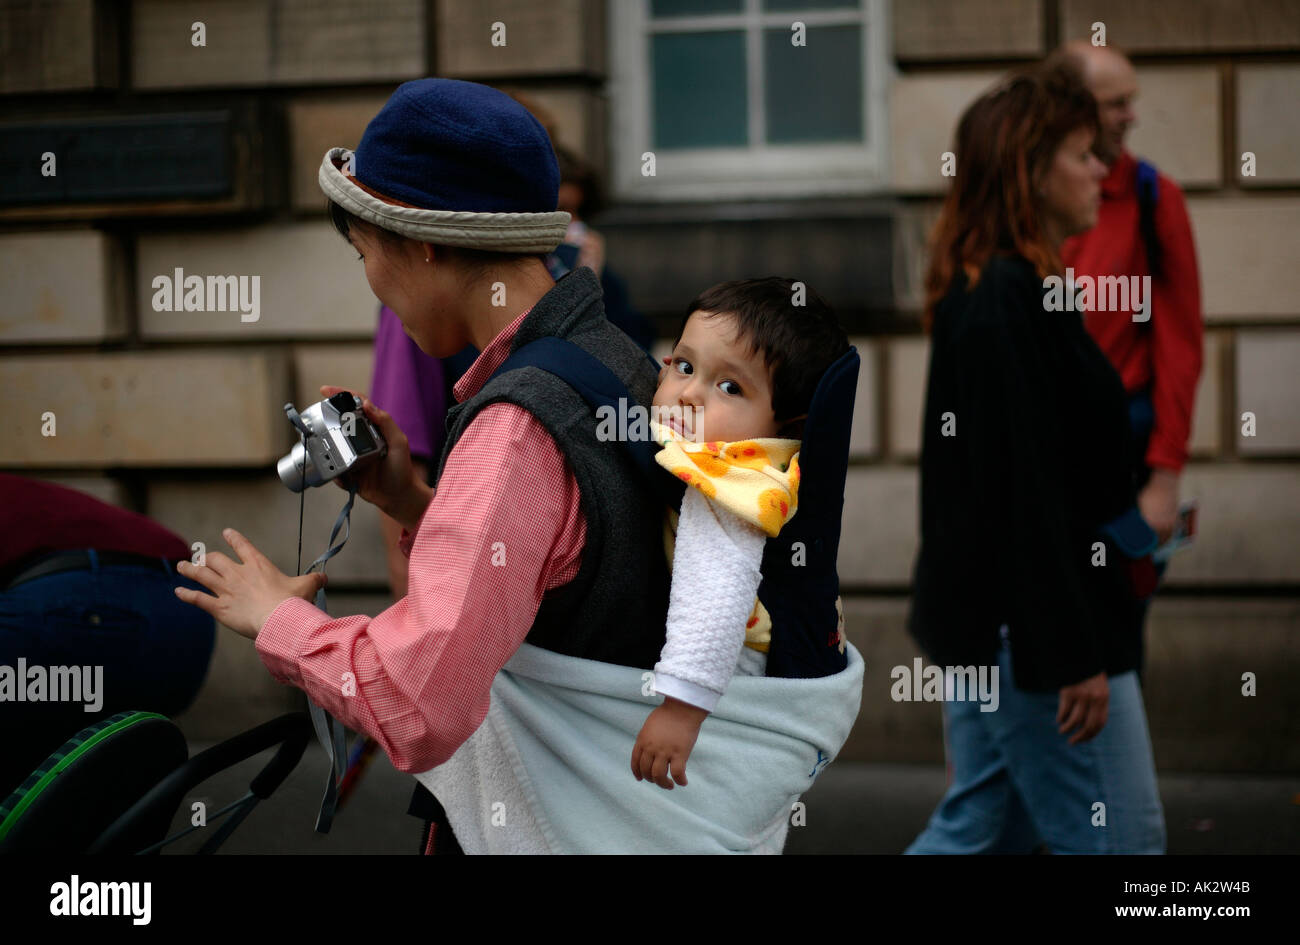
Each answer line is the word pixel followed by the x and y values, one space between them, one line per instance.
pixel 756 480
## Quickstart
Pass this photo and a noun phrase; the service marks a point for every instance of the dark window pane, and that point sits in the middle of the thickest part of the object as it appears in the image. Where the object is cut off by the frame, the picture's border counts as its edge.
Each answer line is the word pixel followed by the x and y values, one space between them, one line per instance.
pixel 778 6
pixel 814 92
pixel 143 157
pixel 694 7
pixel 699 90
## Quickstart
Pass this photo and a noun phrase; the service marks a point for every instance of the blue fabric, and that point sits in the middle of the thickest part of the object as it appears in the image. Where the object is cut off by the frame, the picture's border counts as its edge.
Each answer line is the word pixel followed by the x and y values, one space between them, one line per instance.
pixel 1141 414
pixel 1131 534
pixel 1130 531
pixel 1142 419
pixel 1017 783
pixel 154 649
pixel 446 144
pixel 1147 182
pixel 553 752
pixel 1148 191
pixel 799 591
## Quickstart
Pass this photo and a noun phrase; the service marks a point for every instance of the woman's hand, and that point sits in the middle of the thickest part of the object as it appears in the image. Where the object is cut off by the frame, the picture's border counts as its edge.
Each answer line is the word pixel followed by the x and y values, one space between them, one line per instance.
pixel 243 594
pixel 665 742
pixel 1158 503
pixel 390 484
pixel 1084 704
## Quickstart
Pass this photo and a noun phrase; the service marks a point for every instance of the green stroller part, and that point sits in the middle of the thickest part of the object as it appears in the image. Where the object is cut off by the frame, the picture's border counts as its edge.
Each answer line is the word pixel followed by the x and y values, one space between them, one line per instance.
pixel 78 791
pixel 115 786
pixel 291 732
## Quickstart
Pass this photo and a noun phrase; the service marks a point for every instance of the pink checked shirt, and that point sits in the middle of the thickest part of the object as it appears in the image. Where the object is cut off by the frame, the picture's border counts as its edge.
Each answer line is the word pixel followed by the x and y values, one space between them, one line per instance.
pixel 424 667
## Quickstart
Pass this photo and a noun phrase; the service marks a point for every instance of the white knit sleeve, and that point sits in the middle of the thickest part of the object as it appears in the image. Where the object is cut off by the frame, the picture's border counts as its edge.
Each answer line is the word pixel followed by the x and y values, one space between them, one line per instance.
pixel 715 577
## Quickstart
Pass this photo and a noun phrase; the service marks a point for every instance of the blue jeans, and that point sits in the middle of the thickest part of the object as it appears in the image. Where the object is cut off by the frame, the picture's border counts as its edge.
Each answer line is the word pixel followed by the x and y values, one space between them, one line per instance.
pixel 154 649
pixel 1016 783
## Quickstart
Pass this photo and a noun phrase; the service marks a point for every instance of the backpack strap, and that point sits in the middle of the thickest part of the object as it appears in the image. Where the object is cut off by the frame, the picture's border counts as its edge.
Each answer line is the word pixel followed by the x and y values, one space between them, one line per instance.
pixel 600 387
pixel 1148 193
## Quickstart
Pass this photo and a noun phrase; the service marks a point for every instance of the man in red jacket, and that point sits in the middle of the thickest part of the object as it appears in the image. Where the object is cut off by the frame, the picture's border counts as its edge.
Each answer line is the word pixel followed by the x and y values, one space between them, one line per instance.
pixel 1158 353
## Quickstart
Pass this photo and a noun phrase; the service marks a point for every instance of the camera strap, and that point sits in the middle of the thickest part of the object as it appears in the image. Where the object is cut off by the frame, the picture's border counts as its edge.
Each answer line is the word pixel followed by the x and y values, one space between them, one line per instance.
pixel 330 732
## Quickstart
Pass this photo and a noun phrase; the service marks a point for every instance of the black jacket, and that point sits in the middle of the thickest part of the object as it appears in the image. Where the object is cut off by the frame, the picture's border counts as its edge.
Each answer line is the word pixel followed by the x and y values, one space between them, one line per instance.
pixel 1011 502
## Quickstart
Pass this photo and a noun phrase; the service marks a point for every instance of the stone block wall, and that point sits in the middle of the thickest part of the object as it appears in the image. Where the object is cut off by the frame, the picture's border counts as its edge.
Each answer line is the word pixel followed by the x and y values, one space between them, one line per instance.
pixel 178 414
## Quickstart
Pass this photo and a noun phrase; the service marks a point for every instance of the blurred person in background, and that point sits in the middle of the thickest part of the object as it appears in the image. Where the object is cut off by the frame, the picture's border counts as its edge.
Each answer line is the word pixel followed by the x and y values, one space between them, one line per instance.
pixel 1142 230
pixel 582 196
pixel 1024 461
pixel 415 389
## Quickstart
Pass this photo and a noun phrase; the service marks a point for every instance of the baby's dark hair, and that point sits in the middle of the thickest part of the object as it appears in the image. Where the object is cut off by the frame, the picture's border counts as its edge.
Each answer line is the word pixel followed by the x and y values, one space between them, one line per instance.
pixel 798 341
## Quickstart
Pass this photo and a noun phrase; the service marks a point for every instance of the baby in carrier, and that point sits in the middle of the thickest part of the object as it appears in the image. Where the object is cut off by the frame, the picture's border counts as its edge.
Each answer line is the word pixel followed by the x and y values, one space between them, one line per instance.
pixel 729 416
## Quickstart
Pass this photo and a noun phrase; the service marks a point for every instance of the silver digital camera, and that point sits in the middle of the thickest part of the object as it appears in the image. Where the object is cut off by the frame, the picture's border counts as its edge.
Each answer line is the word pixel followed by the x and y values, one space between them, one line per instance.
pixel 337 438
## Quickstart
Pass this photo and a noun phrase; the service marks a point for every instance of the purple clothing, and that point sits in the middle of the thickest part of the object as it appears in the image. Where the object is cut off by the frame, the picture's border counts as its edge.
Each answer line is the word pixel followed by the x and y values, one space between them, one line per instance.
pixel 409 384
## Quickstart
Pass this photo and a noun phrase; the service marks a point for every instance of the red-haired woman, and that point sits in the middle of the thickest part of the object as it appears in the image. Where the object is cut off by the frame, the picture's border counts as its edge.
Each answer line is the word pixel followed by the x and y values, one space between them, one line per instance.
pixel 1024 460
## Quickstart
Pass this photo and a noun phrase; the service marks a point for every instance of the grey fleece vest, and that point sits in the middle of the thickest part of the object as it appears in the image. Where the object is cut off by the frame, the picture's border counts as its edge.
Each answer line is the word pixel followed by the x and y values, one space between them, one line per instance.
pixel 615 609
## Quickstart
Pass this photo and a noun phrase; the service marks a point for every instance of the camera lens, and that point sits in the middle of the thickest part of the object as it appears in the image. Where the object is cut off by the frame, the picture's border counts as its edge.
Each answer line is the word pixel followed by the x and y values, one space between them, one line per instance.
pixel 292 473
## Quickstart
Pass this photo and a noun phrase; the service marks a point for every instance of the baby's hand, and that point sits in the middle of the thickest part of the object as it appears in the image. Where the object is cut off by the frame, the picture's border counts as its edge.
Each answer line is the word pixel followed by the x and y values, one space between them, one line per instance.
pixel 665 742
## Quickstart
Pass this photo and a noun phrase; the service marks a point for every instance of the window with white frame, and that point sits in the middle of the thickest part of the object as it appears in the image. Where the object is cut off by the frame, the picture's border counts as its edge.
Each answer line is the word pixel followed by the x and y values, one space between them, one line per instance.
pixel 747 98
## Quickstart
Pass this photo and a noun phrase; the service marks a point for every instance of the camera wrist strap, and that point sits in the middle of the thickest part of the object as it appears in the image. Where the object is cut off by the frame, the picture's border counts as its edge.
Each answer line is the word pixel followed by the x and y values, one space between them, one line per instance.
pixel 330 732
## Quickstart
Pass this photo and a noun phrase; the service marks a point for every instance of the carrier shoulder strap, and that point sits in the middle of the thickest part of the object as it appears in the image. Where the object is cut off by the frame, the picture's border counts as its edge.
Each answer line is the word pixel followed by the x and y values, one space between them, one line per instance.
pixel 595 383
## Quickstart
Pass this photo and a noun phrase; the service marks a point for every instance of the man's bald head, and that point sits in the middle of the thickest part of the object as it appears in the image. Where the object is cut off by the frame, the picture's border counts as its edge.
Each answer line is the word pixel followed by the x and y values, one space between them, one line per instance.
pixel 1113 82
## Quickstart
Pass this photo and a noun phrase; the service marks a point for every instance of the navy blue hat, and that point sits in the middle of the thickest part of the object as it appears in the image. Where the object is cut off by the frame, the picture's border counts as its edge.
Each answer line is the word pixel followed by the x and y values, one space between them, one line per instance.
pixel 445 144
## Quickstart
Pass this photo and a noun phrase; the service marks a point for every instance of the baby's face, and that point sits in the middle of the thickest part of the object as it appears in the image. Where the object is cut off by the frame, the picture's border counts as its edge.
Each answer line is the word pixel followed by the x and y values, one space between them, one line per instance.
pixel 728 389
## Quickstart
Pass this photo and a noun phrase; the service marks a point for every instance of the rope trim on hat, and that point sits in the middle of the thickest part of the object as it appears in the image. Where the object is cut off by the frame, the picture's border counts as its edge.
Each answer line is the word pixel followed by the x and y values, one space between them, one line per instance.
pixel 498 232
